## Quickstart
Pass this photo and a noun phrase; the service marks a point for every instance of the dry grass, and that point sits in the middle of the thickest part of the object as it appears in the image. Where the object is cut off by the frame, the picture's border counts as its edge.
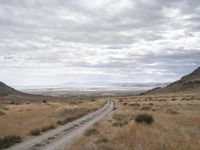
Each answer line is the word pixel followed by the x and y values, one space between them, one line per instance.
pixel 23 118
pixel 176 125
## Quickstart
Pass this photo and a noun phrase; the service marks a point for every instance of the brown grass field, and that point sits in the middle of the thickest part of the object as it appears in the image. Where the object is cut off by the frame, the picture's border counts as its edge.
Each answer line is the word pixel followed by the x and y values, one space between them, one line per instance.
pixel 176 125
pixel 22 118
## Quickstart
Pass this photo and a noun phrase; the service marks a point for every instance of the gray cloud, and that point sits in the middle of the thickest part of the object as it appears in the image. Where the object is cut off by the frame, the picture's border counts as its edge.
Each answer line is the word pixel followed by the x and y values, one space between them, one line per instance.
pixel 125 40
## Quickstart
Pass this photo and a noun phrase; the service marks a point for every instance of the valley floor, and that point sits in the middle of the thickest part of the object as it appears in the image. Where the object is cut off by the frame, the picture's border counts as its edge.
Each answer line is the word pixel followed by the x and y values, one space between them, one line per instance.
pixel 176 125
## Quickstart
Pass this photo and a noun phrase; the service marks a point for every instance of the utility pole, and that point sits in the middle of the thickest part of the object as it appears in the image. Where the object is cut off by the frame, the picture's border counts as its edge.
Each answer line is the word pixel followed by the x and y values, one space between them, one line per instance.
pixel 49 94
pixel 49 91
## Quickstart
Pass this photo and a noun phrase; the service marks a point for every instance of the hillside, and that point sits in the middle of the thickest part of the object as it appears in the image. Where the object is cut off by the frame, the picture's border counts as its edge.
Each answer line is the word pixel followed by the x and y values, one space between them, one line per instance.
pixel 10 95
pixel 188 83
pixel 6 90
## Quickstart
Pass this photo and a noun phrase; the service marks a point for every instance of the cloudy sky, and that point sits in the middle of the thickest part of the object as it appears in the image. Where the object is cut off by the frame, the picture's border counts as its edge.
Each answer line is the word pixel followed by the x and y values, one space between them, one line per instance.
pixel 51 42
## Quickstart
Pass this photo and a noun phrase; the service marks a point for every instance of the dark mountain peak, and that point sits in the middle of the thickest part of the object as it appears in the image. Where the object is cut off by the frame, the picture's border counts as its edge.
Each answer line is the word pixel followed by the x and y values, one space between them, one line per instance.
pixel 6 90
pixel 194 73
pixel 188 83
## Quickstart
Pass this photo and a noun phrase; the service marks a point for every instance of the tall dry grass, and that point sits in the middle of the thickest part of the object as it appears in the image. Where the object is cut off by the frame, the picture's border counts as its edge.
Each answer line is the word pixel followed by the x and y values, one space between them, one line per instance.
pixel 169 131
pixel 21 119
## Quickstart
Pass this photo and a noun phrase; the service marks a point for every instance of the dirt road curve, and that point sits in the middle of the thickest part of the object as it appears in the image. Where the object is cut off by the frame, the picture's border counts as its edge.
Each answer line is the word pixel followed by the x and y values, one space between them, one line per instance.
pixel 61 137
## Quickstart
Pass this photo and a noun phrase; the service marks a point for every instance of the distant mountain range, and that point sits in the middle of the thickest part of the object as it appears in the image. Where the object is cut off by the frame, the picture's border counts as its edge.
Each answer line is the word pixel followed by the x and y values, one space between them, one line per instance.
pixel 188 83
pixel 89 85
pixel 114 85
pixel 149 84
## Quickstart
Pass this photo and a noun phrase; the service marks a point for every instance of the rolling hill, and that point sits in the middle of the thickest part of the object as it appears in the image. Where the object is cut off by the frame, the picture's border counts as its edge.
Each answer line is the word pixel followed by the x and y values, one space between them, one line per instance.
pixel 6 90
pixel 188 83
pixel 10 95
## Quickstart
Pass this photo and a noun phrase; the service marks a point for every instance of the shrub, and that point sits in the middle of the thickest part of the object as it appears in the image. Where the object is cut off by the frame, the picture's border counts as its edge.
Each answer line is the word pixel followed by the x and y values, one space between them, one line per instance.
pixel 60 122
pixel 35 132
pixel 144 118
pixel 121 100
pixel 146 108
pixel 2 113
pixel 91 132
pixel 135 104
pixel 151 104
pixel 67 120
pixel 125 104
pixel 101 140
pixel 44 129
pixel 182 99
pixel 173 99
pixel 10 140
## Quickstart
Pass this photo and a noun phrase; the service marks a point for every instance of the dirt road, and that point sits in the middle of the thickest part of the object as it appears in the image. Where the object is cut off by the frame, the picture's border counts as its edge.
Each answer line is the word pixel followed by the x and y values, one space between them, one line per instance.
pixel 61 137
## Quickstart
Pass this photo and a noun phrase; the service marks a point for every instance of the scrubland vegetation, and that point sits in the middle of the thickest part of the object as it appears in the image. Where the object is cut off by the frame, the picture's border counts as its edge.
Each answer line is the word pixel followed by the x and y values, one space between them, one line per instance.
pixel 147 123
pixel 144 118
pixel 35 118
pixel 10 140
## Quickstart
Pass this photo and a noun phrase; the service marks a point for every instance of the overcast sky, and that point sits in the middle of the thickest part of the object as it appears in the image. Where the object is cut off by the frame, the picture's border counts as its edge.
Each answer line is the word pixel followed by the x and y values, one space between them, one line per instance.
pixel 51 42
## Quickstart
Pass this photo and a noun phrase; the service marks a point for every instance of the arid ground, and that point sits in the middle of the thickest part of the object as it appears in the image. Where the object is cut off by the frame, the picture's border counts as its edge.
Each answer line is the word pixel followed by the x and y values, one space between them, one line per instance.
pixel 176 125
pixel 21 119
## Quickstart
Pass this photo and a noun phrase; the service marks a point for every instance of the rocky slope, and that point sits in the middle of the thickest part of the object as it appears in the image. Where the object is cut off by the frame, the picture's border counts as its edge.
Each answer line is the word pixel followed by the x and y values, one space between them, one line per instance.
pixel 6 90
pixel 188 83
pixel 10 95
